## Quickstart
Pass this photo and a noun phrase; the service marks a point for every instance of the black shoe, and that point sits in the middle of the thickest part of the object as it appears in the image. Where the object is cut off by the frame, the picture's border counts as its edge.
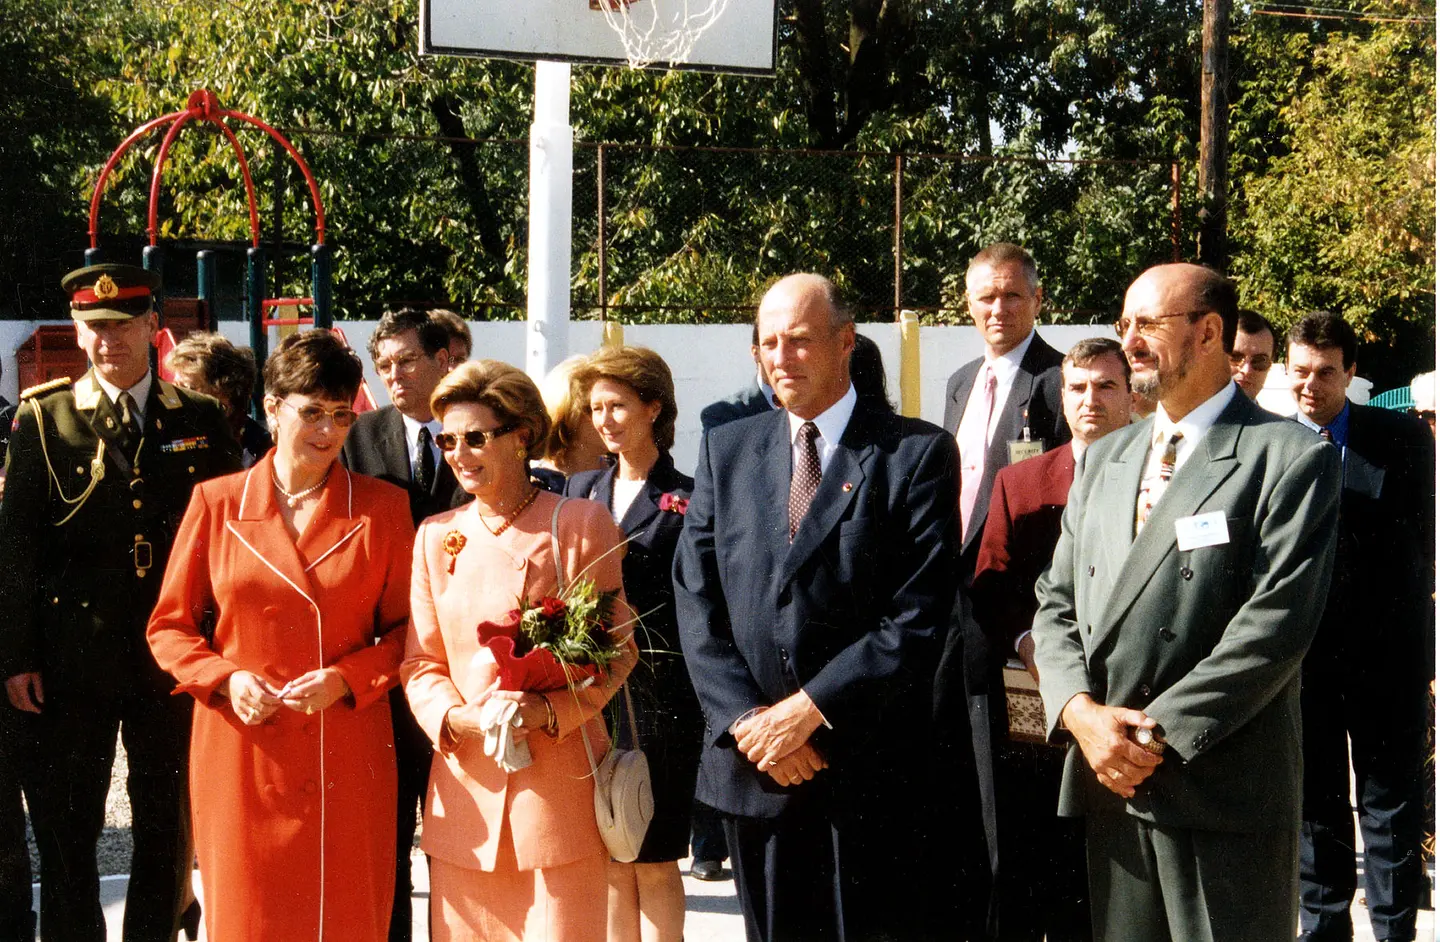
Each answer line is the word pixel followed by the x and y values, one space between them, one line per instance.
pixel 190 920
pixel 708 870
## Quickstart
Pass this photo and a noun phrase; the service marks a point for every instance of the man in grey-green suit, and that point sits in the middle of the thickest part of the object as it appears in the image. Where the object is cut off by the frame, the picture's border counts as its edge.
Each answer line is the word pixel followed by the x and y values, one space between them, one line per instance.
pixel 1190 575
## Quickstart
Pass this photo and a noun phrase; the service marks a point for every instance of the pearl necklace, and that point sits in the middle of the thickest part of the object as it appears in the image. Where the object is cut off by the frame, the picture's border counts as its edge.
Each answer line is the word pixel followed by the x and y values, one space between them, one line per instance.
pixel 294 500
pixel 507 521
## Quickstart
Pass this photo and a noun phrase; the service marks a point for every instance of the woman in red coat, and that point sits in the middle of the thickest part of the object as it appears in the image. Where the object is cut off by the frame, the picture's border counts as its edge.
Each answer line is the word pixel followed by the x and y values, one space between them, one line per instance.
pixel 283 613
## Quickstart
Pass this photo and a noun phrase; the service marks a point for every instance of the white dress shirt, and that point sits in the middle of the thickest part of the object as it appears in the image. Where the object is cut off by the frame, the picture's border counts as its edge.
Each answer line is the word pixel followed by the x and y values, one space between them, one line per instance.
pixel 831 424
pixel 412 439
pixel 1192 428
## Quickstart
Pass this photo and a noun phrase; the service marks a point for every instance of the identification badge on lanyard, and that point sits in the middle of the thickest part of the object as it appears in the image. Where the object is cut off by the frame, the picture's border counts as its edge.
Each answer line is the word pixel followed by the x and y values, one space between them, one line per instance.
pixel 1025 448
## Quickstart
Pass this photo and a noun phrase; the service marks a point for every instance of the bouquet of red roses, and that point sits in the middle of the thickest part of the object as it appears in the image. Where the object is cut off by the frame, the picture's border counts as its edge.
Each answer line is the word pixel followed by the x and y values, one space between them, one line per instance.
pixel 545 644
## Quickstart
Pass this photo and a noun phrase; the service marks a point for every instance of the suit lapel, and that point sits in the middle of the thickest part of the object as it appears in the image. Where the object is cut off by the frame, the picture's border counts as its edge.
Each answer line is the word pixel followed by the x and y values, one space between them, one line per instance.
pixel 772 456
pixel 840 483
pixel 1212 463
pixel 259 528
pixel 960 395
pixel 642 509
pixel 394 448
pixel 333 523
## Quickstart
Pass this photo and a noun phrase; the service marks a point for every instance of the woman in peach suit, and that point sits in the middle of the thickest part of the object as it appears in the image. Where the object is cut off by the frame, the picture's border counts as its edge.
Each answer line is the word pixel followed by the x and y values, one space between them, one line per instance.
pixel 513 856
pixel 301 571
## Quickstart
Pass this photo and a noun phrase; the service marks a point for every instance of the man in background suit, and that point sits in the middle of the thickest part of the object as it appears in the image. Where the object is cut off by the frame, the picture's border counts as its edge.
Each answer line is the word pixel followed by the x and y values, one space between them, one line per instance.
pixel 1042 893
pixel 1254 353
pixel 410 351
pixel 755 399
pixel 1191 569
pixel 1367 673
pixel 1001 407
pixel 813 581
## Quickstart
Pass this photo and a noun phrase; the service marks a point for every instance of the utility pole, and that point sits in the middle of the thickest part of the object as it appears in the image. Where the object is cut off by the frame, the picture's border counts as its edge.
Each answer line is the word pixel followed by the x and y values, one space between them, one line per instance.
pixel 1214 133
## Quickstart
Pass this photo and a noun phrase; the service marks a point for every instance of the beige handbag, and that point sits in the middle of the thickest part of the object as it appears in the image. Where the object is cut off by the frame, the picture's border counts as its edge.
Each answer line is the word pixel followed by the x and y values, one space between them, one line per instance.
pixel 624 803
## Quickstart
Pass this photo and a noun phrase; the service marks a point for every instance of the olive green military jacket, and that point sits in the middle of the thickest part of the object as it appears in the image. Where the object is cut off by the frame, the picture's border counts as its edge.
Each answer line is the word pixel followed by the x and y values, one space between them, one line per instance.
pixel 86 529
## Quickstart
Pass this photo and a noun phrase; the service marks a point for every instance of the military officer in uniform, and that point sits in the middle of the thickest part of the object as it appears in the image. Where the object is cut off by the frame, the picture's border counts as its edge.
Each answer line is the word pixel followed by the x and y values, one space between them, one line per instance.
pixel 99 473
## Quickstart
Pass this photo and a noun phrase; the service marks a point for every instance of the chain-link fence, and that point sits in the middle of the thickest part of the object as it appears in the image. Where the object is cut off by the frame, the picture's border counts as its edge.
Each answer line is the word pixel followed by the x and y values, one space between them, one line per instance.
pixel 661 234
pixel 679 234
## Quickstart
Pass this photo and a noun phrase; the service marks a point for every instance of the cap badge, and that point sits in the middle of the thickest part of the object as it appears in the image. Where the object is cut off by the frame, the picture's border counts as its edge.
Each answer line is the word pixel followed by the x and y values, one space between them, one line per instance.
pixel 105 288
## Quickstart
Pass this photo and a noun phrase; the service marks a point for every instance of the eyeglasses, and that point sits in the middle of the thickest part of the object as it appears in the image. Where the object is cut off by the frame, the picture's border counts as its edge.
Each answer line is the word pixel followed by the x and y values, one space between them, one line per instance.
pixel 1260 363
pixel 474 438
pixel 402 364
pixel 1146 326
pixel 311 415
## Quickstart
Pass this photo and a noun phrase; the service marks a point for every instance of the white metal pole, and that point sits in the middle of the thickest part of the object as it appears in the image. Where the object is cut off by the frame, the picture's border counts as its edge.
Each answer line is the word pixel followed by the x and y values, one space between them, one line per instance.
pixel 551 162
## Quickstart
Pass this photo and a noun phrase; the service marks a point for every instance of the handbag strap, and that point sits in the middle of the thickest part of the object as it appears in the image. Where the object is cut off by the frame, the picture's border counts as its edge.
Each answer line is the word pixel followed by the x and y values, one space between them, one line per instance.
pixel 560 588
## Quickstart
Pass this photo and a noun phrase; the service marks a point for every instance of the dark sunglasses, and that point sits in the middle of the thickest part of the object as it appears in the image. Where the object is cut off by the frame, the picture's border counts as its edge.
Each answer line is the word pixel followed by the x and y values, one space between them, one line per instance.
pixel 474 438
pixel 310 415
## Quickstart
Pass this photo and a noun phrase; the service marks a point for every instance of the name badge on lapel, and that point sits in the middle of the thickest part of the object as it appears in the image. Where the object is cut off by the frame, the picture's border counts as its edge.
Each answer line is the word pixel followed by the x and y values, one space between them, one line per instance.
pixel 1025 448
pixel 1201 530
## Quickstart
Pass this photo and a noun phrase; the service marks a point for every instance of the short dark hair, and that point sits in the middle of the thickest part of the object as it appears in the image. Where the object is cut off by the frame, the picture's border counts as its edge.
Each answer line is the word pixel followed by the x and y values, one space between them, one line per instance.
pixel 644 371
pixel 431 334
pixel 1091 349
pixel 209 363
pixel 1218 294
pixel 1006 253
pixel 455 327
pixel 313 363
pixel 867 373
pixel 1253 322
pixel 1321 329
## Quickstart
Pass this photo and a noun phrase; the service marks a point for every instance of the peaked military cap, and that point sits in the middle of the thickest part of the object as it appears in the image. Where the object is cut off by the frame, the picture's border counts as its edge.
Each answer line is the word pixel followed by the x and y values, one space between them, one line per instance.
pixel 110 292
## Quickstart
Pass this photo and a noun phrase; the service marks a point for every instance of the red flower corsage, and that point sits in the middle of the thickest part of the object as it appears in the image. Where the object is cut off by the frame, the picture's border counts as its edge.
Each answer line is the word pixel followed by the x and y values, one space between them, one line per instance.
pixel 454 543
pixel 674 503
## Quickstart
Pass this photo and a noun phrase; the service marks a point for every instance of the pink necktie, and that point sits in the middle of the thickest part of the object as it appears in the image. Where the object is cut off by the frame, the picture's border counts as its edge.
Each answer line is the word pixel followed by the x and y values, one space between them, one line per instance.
pixel 973 438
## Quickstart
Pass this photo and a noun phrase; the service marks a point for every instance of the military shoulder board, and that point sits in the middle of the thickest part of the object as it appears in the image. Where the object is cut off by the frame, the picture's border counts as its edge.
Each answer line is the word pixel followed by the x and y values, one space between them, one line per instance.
pixel 62 382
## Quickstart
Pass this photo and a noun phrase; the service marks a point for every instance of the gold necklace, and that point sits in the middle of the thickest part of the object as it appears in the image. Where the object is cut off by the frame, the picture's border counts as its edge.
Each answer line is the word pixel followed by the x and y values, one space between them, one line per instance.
pixel 507 521
pixel 294 500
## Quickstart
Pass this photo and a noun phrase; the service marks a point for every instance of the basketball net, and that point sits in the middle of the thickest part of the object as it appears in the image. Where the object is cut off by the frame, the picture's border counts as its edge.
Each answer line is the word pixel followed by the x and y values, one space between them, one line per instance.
pixel 651 34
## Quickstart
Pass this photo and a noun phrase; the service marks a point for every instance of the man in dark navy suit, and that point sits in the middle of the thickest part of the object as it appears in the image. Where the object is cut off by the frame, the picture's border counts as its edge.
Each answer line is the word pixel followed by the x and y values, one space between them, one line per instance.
pixel 813 581
pixel 1366 675
pixel 411 353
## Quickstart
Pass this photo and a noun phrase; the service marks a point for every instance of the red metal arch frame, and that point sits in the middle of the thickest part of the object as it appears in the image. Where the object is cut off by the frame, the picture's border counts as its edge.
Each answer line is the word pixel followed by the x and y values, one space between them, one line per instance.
pixel 203 106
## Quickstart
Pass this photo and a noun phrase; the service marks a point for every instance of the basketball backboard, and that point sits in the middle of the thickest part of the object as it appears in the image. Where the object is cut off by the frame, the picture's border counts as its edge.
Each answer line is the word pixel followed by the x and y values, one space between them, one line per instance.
pixel 722 35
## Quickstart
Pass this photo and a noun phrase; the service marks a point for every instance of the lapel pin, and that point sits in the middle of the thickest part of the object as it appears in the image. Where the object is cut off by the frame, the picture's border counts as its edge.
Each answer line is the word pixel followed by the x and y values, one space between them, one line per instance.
pixel 847 487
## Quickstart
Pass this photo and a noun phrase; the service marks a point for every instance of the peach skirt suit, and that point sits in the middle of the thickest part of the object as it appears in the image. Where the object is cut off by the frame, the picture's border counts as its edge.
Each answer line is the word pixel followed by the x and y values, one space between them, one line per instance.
pixel 294 819
pixel 512 856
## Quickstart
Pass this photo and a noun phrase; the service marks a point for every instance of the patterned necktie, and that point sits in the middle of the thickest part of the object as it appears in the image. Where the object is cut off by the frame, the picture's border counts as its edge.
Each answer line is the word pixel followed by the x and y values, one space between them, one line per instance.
pixel 129 423
pixel 422 469
pixel 973 437
pixel 1150 491
pixel 805 478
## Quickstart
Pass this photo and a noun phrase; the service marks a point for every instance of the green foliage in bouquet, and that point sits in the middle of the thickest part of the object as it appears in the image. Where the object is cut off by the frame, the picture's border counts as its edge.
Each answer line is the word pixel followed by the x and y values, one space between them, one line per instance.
pixel 575 627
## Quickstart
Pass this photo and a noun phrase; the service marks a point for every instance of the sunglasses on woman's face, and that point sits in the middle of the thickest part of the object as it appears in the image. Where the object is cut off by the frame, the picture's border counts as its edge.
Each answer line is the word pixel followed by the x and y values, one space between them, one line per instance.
pixel 310 415
pixel 474 438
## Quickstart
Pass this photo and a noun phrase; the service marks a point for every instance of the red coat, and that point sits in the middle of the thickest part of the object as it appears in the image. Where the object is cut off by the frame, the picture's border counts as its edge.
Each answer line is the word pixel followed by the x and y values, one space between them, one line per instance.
pixel 294 819
pixel 1021 530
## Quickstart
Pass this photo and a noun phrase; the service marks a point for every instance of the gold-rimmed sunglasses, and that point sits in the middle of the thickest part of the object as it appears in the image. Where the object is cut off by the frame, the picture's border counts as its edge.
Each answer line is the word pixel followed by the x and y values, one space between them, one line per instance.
pixel 1147 326
pixel 311 414
pixel 474 438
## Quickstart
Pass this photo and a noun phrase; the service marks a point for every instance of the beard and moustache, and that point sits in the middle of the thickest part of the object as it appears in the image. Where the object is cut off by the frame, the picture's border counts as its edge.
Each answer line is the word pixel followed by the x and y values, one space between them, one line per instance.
pixel 1159 384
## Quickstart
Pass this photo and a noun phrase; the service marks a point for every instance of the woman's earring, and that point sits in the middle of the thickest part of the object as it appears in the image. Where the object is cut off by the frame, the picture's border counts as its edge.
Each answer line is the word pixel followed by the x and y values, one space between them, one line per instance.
pixel 521 452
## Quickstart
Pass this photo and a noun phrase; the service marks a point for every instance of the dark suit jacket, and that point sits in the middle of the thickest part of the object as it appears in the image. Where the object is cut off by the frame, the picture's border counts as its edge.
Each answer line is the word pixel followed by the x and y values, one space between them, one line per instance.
pixel 852 610
pixel 743 404
pixel 1385 555
pixel 1208 641
pixel 1033 402
pixel 665 699
pixel 1019 540
pixel 376 446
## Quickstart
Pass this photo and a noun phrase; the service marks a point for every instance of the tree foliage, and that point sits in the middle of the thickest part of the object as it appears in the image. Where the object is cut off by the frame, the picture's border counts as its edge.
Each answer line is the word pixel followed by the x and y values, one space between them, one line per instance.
pixel 1335 148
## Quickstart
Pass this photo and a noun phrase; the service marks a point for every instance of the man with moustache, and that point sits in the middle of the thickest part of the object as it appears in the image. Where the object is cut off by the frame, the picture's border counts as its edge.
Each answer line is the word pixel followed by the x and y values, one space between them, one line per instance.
pixel 1186 585
pixel 99 473
pixel 1254 353
pixel 1043 893
pixel 1002 407
pixel 1364 692
pixel 813 580
pixel 411 352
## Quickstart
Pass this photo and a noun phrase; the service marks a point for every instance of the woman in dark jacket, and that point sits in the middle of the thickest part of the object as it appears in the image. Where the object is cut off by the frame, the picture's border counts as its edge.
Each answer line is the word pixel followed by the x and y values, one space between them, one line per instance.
pixel 632 404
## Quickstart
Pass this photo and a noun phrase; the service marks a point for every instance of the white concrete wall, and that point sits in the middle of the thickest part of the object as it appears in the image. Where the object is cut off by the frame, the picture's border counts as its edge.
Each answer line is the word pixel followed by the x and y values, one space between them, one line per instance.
pixel 709 361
